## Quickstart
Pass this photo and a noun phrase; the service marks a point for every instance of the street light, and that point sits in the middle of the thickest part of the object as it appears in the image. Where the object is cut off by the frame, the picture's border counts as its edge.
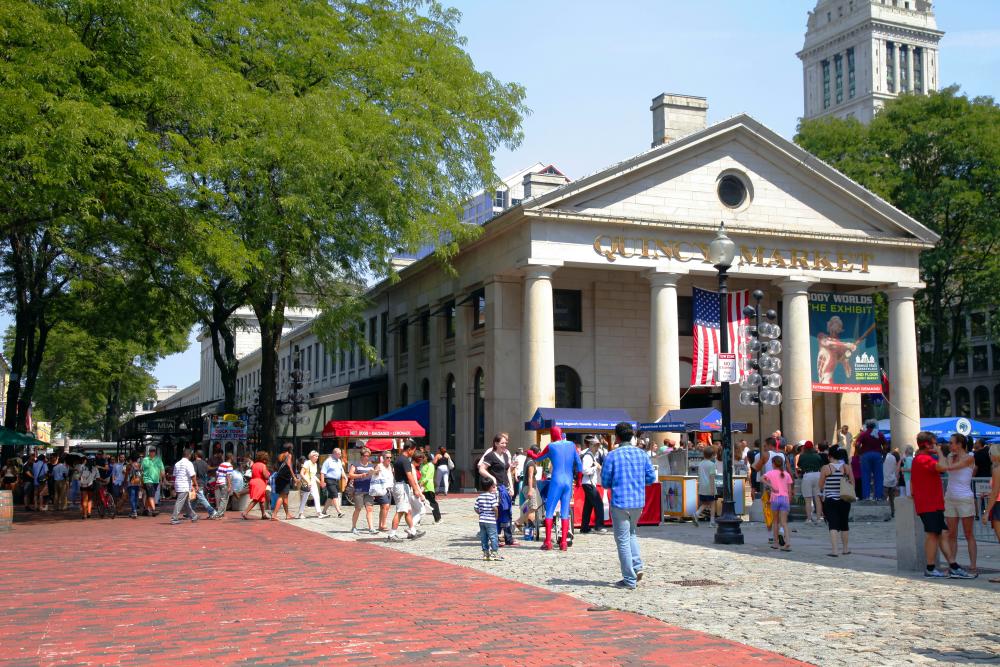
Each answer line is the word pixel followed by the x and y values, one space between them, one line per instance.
pixel 721 252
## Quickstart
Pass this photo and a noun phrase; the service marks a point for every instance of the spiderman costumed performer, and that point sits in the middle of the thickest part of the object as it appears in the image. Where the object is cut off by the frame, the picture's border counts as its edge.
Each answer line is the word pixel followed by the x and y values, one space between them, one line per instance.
pixel 565 464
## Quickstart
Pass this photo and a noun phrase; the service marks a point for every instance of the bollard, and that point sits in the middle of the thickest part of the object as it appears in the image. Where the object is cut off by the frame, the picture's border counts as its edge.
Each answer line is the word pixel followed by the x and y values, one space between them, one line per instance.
pixel 909 537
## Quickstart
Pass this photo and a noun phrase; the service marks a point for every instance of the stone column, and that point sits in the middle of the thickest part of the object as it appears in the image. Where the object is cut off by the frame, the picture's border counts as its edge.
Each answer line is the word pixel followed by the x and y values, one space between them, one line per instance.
pixel 895 68
pixel 924 55
pixel 909 68
pixel 797 406
pixel 904 411
pixel 664 349
pixel 538 378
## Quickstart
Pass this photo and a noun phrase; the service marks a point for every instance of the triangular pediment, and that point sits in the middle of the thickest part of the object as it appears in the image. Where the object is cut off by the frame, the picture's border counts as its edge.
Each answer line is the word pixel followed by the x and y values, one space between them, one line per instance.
pixel 790 191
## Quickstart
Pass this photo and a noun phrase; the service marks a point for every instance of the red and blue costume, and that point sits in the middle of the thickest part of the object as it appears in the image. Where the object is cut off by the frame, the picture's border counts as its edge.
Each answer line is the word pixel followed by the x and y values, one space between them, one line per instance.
pixel 565 464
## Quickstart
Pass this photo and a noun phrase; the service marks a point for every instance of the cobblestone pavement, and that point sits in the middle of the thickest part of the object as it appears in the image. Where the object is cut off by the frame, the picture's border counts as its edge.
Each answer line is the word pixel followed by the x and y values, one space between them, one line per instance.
pixel 143 592
pixel 850 611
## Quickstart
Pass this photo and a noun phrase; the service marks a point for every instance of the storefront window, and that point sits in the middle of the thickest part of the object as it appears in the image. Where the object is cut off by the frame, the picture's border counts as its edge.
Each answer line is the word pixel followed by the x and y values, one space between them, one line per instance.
pixel 962 407
pixel 982 402
pixel 567 307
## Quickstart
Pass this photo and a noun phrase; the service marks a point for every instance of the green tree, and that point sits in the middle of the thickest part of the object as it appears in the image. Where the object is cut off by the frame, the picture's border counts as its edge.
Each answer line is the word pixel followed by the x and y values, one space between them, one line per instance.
pixel 937 158
pixel 82 186
pixel 346 132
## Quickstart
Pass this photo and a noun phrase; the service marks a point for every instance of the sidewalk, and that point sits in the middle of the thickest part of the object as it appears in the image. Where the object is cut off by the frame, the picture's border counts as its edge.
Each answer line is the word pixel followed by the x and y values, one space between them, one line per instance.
pixel 845 611
pixel 140 592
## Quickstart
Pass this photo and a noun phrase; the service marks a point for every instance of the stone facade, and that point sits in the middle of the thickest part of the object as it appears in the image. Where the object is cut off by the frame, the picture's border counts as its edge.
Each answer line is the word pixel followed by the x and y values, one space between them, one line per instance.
pixel 859 53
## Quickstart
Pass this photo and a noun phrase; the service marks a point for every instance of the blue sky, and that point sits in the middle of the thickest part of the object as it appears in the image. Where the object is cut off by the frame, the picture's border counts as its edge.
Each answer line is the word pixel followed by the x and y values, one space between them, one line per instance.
pixel 591 68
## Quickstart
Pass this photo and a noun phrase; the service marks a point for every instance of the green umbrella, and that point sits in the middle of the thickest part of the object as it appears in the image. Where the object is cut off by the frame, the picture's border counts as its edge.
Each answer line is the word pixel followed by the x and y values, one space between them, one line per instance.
pixel 10 437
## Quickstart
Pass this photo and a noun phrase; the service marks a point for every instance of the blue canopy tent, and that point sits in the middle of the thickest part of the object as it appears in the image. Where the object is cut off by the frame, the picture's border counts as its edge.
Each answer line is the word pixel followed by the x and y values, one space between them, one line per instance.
pixel 419 412
pixel 579 420
pixel 691 419
pixel 943 427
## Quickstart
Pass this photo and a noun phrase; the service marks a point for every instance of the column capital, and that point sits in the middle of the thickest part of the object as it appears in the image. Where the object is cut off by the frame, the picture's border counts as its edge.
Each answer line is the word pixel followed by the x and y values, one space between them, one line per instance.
pixel 901 292
pixel 536 269
pixel 663 278
pixel 796 285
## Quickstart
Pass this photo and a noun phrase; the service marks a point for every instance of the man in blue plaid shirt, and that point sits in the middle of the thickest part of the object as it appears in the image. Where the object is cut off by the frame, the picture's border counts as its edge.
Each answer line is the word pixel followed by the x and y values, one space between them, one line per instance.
pixel 626 471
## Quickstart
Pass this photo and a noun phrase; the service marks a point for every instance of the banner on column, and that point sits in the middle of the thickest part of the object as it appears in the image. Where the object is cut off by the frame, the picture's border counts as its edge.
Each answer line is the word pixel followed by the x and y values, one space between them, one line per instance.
pixel 843 344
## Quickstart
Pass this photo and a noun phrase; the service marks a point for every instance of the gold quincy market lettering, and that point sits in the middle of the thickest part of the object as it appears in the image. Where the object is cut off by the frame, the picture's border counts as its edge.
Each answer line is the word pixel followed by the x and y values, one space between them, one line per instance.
pixel 612 247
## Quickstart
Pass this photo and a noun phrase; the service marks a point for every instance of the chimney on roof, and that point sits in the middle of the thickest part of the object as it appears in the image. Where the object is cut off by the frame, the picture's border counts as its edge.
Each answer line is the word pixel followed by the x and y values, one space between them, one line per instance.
pixel 676 116
pixel 538 183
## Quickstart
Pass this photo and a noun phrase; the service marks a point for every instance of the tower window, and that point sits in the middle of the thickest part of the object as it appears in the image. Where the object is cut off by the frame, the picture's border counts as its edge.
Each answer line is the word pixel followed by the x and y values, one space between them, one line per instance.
pixel 890 67
pixel 918 70
pixel 904 67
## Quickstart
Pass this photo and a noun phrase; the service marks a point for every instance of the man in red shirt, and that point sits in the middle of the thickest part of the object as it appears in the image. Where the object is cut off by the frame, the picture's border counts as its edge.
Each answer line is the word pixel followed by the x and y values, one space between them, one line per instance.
pixel 928 501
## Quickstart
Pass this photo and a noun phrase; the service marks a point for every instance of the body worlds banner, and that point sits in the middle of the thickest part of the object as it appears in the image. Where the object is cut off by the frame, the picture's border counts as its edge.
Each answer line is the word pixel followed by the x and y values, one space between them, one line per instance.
pixel 843 344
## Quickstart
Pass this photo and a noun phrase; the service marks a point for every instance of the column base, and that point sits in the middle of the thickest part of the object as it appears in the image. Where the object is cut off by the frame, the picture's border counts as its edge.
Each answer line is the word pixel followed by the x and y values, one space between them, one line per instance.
pixel 728 525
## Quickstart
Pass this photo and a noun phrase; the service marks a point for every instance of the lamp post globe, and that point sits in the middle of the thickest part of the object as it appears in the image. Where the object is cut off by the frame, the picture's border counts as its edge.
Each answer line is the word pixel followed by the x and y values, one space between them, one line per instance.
pixel 721 252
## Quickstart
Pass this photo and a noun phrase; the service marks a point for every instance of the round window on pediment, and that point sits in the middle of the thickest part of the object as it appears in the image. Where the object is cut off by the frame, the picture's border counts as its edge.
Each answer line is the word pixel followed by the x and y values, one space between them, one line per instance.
pixel 733 190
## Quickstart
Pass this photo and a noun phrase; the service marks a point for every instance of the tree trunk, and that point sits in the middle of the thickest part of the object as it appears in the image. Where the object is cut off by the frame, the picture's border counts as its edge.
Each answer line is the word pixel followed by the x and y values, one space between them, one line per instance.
pixel 270 311
pixel 224 350
pixel 112 410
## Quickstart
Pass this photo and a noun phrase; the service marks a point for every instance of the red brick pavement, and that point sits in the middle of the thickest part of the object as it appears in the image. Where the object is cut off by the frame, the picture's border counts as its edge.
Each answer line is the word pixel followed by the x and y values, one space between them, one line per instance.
pixel 143 592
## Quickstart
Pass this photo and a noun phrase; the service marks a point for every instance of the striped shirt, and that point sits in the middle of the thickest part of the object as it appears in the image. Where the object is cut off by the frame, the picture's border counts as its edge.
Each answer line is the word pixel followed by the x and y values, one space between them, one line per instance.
pixel 831 487
pixel 222 472
pixel 486 507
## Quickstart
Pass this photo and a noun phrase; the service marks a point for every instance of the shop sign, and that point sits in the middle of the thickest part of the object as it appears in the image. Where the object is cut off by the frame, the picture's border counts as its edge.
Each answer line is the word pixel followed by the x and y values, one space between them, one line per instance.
pixel 809 259
pixel 727 367
pixel 843 344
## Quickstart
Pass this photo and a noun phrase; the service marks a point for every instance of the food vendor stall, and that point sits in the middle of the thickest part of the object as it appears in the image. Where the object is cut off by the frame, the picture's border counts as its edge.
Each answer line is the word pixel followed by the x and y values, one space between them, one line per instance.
pixel 378 435
pixel 593 421
pixel 679 482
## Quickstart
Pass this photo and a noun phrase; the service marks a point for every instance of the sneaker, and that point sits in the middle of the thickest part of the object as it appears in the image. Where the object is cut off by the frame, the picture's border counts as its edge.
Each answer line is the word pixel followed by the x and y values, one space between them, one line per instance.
pixel 622 584
pixel 174 522
pixel 415 535
pixel 496 556
pixel 781 540
pixel 394 538
pixel 960 573
pixel 487 556
pixel 601 531
pixel 322 516
pixel 373 531
pixel 133 515
pixel 195 520
pixel 638 576
pixel 935 574
pixel 355 531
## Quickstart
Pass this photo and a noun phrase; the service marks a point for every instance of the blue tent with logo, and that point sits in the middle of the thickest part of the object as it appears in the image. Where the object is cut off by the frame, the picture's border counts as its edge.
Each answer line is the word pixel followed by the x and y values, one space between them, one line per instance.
pixel 577 419
pixel 944 427
pixel 691 419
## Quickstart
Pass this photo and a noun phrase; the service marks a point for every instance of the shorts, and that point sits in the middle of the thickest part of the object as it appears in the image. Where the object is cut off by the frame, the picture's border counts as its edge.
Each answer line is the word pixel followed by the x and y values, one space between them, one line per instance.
pixel 384 499
pixel 810 485
pixel 933 522
pixel 282 485
pixel 703 498
pixel 363 499
pixel 959 507
pixel 532 501
pixel 995 514
pixel 402 496
pixel 779 504
pixel 150 490
pixel 837 513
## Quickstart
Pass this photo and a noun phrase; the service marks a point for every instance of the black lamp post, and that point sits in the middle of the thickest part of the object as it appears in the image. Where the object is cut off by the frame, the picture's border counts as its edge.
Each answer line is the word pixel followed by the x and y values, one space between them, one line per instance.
pixel 721 252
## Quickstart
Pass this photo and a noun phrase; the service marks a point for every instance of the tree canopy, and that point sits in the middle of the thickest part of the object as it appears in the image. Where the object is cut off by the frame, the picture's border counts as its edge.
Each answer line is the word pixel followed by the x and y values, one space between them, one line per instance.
pixel 937 158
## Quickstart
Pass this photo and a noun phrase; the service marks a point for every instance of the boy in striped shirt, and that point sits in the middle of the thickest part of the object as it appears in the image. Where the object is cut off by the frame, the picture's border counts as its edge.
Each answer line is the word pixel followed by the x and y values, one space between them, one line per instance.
pixel 487 507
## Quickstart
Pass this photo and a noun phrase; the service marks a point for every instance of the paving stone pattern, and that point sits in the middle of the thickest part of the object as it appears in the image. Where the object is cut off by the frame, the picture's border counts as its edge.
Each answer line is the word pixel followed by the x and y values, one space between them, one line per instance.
pixel 850 611
pixel 143 592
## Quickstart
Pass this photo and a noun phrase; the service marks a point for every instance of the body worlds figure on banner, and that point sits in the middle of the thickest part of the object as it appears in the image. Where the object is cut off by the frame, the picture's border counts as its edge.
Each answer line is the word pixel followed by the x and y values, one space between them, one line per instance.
pixel 843 343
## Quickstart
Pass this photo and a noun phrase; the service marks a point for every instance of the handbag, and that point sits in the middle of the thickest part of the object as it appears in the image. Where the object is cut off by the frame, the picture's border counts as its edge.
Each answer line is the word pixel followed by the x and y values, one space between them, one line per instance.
pixel 847 489
pixel 451 464
pixel 192 494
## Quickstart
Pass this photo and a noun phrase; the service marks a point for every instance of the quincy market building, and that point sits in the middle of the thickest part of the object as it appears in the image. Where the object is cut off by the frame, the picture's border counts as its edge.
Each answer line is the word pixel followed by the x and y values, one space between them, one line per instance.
pixel 580 295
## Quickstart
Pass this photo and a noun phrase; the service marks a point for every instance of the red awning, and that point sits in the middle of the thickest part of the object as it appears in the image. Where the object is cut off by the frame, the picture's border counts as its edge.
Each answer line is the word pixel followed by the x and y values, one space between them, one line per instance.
pixel 373 429
pixel 379 444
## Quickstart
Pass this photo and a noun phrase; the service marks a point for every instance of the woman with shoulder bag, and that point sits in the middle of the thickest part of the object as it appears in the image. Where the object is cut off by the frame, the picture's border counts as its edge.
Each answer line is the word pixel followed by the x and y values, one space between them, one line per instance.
pixel 259 475
pixel 133 477
pixel 283 478
pixel 837 481
pixel 382 481
pixel 309 485
pixel 443 466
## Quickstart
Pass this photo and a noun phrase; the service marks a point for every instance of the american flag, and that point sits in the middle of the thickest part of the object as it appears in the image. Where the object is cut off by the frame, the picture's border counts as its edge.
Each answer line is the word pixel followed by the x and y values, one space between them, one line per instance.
pixel 706 334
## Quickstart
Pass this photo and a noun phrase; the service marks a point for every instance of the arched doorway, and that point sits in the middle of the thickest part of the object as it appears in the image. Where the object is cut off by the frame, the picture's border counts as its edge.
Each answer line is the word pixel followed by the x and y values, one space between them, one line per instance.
pixel 945 403
pixel 567 388
pixel 982 402
pixel 963 407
